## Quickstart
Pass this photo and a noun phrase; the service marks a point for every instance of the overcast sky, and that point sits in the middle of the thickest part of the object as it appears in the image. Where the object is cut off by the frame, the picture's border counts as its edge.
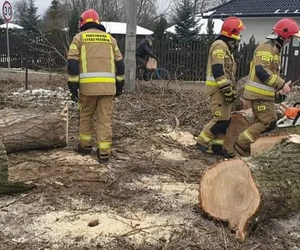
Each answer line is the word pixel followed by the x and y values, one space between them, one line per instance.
pixel 44 4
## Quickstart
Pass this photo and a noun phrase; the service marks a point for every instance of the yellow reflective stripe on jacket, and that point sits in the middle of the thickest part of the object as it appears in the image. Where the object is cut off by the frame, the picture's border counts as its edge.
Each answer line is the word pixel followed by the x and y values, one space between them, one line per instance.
pixel 259 90
pixel 248 136
pixel 83 59
pixel 85 138
pixel 211 81
pixel 272 80
pixel 112 61
pixel 104 145
pixel 97 74
pixel 204 137
pixel 98 80
pixel 73 79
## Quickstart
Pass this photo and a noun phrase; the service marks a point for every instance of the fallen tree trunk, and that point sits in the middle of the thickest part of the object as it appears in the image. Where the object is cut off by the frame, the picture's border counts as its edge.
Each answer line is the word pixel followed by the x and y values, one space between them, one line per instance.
pixel 3 164
pixel 253 189
pixel 37 128
pixel 7 187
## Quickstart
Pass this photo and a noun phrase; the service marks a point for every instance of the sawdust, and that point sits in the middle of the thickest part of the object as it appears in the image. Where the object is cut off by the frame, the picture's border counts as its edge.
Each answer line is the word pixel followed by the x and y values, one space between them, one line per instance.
pixel 184 138
pixel 294 138
pixel 72 158
pixel 65 226
pixel 163 185
pixel 175 155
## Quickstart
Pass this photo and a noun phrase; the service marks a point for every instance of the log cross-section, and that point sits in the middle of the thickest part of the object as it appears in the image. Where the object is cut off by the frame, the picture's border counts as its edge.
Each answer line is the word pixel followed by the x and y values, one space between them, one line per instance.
pixel 36 128
pixel 253 189
pixel 229 193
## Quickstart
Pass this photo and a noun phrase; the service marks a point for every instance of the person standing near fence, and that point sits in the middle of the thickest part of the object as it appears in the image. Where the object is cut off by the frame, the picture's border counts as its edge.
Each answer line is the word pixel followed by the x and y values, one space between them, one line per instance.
pixel 143 51
pixel 220 79
pixel 265 84
pixel 93 61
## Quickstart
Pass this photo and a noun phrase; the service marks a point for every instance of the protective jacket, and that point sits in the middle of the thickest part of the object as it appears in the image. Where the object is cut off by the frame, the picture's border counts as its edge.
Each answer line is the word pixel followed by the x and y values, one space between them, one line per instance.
pixel 144 49
pixel 221 68
pixel 264 78
pixel 91 62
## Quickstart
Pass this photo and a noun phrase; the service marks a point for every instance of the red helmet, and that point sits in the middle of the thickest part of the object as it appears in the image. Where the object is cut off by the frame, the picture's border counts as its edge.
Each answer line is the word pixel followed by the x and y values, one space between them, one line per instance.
pixel 286 28
pixel 89 16
pixel 232 27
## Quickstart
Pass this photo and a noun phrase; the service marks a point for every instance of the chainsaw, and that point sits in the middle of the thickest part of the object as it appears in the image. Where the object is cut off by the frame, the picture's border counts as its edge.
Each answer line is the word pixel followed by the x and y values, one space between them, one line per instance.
pixel 291 117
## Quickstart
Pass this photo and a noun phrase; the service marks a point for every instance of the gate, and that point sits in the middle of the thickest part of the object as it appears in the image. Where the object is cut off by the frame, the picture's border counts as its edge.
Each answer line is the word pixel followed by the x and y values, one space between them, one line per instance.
pixel 291 61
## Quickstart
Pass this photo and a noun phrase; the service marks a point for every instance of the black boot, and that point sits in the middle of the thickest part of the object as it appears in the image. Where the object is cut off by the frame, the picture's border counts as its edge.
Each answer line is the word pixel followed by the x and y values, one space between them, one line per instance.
pixel 219 150
pixel 203 148
pixel 102 158
pixel 83 150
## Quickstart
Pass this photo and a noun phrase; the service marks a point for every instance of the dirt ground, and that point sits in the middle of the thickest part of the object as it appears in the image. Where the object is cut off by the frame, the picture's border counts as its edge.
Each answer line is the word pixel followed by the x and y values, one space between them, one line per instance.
pixel 146 198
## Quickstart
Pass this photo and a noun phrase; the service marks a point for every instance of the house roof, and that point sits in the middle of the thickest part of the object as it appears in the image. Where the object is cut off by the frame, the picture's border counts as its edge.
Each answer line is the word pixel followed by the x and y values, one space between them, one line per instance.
pixel 256 8
pixel 11 26
pixel 120 28
pixel 203 25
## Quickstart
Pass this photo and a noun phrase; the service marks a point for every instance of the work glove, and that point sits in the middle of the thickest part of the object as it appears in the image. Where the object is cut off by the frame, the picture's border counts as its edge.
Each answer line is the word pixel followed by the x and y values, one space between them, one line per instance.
pixel 74 86
pixel 119 85
pixel 229 96
pixel 280 97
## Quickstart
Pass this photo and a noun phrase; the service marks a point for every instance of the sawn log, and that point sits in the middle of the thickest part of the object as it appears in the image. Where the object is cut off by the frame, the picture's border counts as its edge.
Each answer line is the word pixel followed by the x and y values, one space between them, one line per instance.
pixel 7 187
pixel 36 128
pixel 254 189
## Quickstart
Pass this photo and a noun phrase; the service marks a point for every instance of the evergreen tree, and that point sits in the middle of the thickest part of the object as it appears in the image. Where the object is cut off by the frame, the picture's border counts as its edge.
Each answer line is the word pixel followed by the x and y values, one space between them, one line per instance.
pixel 73 22
pixel 29 18
pixel 187 27
pixel 210 31
pixel 160 27
pixel 53 19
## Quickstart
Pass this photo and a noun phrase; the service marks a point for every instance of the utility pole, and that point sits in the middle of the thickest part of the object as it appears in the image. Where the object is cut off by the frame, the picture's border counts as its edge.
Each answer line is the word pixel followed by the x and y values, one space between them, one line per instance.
pixel 130 61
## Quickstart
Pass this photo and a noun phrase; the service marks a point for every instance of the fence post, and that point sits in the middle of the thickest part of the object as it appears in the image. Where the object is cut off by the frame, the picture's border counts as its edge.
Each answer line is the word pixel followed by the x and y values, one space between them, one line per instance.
pixel 26 63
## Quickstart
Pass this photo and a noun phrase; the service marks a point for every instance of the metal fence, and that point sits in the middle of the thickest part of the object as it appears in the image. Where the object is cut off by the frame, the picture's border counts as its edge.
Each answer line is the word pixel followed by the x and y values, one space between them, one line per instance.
pixel 184 60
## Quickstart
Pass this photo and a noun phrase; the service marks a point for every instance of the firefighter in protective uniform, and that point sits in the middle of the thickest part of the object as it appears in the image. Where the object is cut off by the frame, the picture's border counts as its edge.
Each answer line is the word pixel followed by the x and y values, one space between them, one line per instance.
pixel 220 79
pixel 265 84
pixel 96 69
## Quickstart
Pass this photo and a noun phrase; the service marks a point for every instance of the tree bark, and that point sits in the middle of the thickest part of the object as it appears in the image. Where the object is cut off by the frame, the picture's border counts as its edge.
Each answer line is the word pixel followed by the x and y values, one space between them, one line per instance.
pixel 255 189
pixel 7 187
pixel 37 128
pixel 3 164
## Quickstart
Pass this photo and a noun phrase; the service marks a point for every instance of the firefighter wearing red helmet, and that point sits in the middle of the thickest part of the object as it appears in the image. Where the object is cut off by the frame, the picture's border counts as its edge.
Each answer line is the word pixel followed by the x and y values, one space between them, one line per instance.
pixel 220 79
pixel 265 84
pixel 96 72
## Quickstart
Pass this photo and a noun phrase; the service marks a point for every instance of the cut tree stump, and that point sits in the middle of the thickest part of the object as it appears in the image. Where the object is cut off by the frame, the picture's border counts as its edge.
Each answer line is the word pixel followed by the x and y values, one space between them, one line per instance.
pixel 35 128
pixel 254 189
pixel 7 187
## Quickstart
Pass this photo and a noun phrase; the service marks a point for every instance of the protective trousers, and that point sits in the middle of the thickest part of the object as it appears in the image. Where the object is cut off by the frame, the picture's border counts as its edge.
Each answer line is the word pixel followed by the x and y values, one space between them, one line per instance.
pixel 265 118
pixel 103 107
pixel 214 132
